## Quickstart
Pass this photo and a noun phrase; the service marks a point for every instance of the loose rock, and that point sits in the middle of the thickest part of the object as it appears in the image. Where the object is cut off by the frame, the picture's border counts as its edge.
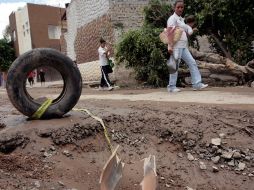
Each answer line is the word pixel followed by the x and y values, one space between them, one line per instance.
pixel 216 141
pixel 202 165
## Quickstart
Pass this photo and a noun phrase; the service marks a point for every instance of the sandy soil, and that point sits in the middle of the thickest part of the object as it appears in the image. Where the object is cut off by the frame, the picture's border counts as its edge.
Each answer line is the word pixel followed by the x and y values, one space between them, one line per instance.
pixel 69 153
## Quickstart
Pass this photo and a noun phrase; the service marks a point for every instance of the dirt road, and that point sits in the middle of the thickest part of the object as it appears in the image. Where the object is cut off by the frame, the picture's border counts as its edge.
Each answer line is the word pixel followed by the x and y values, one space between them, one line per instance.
pixel 201 140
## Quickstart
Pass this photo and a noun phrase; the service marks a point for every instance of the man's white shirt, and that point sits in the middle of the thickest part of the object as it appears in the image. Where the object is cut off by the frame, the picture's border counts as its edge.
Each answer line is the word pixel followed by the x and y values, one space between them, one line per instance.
pixel 102 56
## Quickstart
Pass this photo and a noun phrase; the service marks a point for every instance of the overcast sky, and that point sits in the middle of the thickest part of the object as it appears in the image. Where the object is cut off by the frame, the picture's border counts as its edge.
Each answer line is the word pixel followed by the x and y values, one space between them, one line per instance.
pixel 8 6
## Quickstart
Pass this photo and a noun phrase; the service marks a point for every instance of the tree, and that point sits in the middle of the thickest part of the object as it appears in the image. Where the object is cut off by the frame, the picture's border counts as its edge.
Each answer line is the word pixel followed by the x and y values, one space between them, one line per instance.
pixel 228 25
pixel 7 32
pixel 143 51
pixel 7 54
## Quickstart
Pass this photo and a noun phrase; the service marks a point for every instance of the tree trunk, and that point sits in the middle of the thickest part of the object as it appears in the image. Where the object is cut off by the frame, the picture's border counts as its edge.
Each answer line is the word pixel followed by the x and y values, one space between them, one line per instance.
pixel 219 70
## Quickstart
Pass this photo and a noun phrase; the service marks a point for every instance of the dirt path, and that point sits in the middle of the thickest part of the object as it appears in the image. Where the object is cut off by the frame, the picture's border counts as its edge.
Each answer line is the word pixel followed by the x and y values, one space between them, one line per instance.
pixel 69 153
pixel 205 97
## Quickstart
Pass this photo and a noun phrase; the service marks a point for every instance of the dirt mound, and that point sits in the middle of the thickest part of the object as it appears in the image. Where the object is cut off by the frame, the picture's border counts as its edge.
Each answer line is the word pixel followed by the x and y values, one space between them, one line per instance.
pixel 197 146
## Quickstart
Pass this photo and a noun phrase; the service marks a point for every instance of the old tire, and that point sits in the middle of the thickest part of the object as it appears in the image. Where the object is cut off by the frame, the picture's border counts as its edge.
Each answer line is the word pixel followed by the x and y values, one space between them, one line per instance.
pixel 24 64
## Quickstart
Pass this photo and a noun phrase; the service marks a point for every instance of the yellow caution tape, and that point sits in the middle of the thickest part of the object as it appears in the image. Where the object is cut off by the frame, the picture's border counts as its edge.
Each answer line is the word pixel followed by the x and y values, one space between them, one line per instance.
pixel 41 110
pixel 102 123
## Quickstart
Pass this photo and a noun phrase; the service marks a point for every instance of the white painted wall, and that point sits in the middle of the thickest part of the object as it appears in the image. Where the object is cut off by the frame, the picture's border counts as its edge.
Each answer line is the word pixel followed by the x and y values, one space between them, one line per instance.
pixel 80 13
pixel 23 30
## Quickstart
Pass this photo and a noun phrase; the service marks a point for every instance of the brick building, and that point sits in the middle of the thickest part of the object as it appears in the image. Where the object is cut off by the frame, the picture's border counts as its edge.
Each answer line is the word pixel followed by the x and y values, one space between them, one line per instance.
pixel 88 20
pixel 35 26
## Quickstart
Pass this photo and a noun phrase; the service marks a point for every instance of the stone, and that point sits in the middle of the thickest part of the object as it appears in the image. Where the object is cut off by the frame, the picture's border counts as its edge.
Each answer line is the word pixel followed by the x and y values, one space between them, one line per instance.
pixel 231 163
pixel 180 155
pixel 216 141
pixel 216 159
pixel 202 165
pixel 237 155
pixel 241 166
pixel 227 155
pixel 189 188
pixel 167 185
pixel 61 183
pixel 47 155
pixel 251 175
pixel 215 169
pixel 222 135
pixel 190 157
pixel 67 153
pixel 37 184
pixel 252 84
pixel 52 148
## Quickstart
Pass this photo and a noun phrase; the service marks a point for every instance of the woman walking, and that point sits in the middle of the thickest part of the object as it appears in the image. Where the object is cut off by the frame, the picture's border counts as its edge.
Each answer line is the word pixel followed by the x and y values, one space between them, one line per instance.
pixel 180 50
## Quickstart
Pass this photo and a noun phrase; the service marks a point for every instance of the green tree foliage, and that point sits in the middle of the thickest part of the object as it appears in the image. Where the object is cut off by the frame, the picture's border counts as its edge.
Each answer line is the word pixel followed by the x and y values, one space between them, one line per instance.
pixel 228 24
pixel 142 50
pixel 7 54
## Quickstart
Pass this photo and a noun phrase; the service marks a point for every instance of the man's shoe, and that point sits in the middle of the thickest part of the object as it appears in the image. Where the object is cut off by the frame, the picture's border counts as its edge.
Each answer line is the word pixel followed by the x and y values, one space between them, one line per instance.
pixel 101 88
pixel 173 90
pixel 110 88
pixel 200 86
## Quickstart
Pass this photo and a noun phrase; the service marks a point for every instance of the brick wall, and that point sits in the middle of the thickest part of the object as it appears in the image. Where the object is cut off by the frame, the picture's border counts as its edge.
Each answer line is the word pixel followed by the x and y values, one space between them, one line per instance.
pixel 87 39
pixel 79 14
pixel 91 19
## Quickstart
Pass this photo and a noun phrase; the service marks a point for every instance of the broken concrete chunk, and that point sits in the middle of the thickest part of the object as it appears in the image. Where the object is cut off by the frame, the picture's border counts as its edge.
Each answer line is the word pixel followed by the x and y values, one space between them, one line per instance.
pixel 215 169
pixel 67 153
pixel 112 172
pixel 180 155
pixel 231 163
pixel 222 135
pixel 189 188
pixel 241 166
pixel 190 157
pixel 216 159
pixel 227 155
pixel 216 141
pixel 150 176
pixel 237 155
pixel 202 165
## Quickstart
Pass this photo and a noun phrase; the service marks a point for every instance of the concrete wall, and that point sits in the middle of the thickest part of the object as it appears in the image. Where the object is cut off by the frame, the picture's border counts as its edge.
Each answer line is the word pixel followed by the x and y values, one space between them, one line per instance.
pixel 41 16
pixel 31 24
pixel 79 14
pixel 88 20
pixel 23 30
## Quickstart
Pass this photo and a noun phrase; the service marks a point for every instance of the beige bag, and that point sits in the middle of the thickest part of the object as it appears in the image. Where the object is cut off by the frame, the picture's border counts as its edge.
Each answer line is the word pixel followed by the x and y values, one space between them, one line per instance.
pixel 171 35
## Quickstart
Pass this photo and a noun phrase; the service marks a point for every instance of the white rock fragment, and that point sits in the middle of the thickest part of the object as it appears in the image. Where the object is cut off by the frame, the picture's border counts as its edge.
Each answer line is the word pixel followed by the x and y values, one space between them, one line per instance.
pixel 190 157
pixel 227 155
pixel 215 169
pixel 216 141
pixel 202 165
pixel 241 166
pixel 222 135
pixel 216 159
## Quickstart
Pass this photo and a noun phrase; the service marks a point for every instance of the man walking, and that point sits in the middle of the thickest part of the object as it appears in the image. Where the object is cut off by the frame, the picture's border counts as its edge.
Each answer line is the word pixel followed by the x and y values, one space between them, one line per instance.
pixel 105 67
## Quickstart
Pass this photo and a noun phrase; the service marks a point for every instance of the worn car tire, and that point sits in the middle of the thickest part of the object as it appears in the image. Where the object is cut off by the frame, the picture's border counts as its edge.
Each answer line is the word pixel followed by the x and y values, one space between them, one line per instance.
pixel 24 64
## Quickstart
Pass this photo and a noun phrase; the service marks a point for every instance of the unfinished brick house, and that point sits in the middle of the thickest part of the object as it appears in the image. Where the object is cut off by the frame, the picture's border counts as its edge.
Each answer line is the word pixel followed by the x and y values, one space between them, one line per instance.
pixel 88 20
pixel 35 26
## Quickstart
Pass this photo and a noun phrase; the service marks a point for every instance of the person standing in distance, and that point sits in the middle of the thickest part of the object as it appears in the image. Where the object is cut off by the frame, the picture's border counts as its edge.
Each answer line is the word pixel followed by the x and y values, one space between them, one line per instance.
pixel 105 68
pixel 42 77
pixel 180 50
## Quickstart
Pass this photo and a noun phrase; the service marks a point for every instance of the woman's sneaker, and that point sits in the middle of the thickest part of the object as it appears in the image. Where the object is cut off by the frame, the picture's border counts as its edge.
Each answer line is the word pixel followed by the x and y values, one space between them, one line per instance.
pixel 200 86
pixel 173 90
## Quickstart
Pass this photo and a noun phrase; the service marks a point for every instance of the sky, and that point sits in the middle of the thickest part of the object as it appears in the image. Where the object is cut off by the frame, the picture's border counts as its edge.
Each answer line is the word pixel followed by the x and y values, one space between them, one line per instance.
pixel 8 6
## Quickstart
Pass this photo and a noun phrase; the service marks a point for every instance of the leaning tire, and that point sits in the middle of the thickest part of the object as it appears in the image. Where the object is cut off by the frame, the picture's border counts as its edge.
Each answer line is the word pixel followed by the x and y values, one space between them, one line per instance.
pixel 24 64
